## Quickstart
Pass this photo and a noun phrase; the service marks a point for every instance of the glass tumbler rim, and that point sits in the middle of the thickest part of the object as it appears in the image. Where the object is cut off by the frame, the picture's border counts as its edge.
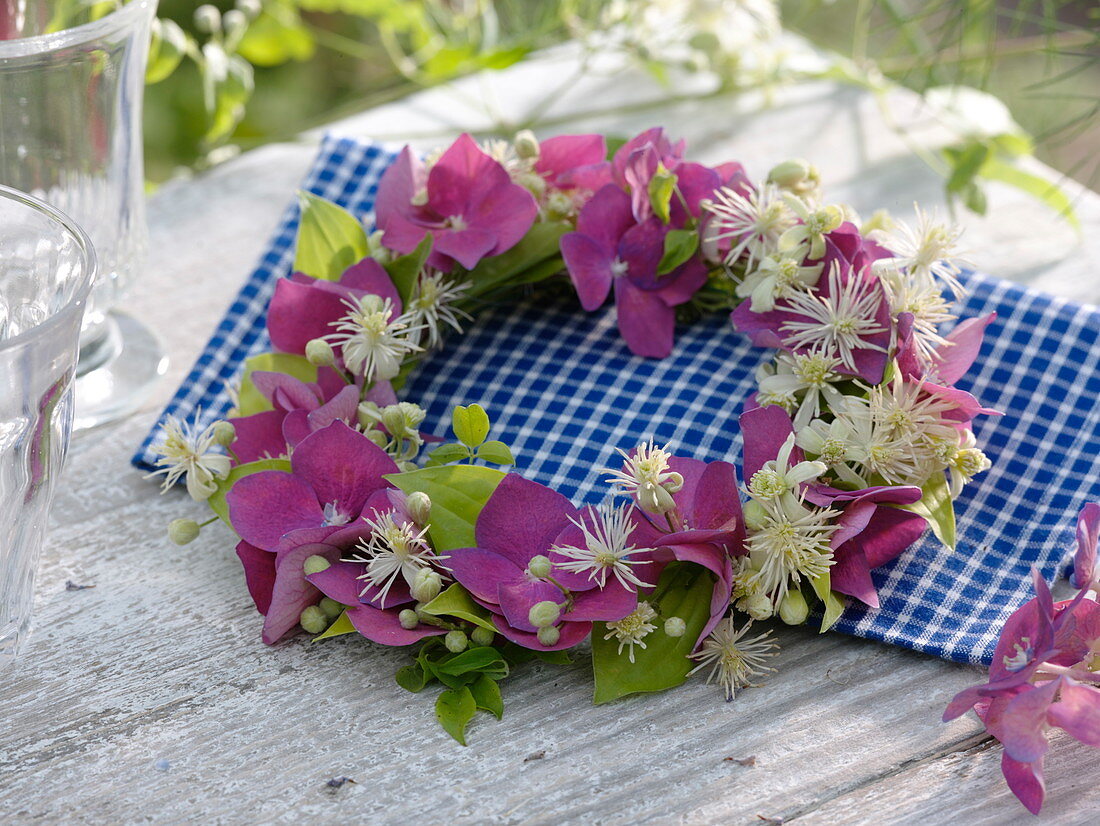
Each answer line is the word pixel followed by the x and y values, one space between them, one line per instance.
pixel 120 19
pixel 79 296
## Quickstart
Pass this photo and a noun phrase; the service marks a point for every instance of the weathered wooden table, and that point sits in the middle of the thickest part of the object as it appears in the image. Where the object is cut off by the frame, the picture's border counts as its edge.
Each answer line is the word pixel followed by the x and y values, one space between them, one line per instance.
pixel 150 698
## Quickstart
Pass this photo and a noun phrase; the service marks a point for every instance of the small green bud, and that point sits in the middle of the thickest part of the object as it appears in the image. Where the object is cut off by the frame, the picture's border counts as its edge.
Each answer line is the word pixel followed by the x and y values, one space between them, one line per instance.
pixel 527 145
pixel 793 610
pixel 456 641
pixel 315 564
pixel 419 506
pixel 224 433
pixel 235 22
pixel 426 585
pixel 371 303
pixel 539 567
pixel 675 627
pixel 393 419
pixel 183 531
pixel 655 500
pixel 369 414
pixel 756 516
pixel 544 614
pixel 378 437
pixel 789 173
pixel 482 636
pixel 251 8
pixel 880 221
pixel 409 619
pixel 313 620
pixel 331 607
pixel 757 606
pixel 319 353
pixel 549 635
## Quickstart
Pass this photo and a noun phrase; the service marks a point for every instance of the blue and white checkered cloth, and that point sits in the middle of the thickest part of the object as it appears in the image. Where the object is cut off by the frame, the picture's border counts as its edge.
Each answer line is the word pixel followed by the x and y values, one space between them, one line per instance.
pixel 563 390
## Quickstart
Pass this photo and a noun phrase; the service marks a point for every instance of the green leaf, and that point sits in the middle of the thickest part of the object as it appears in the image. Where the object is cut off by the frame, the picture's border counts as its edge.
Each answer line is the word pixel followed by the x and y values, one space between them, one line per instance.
pixel 936 507
pixel 456 602
pixel 228 82
pixel 444 454
pixel 483 658
pixel 486 695
pixel 458 493
pixel 404 271
pixel 412 677
pixel 661 188
pixel 470 424
pixel 272 41
pixel 454 709
pixel 833 602
pixel 965 163
pixel 330 239
pixel 342 625
pixel 680 245
pixel 684 591
pixel 496 452
pixel 217 501
pixel 1037 187
pixel 167 47
pixel 539 244
pixel 250 400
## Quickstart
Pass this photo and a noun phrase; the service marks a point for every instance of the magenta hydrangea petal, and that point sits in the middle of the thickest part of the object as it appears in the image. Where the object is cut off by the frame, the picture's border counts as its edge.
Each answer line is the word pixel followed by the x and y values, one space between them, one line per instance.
pixel 342 407
pixel 606 217
pixel 909 365
pixel 571 633
pixel 563 154
pixel 607 604
pixel 1088 534
pixel 481 572
pixel 966 406
pixel 299 313
pixel 516 599
pixel 1077 712
pixel 292 593
pixel 467 247
pixel 851 575
pixel 399 183
pixel 343 466
pixel 825 496
pixel 368 276
pixel 340 581
pixel 637 172
pixel 717 502
pixel 267 505
pixel 954 361
pixel 589 268
pixel 462 175
pixel 681 285
pixel 696 184
pixel 761 328
pixel 646 322
pixel 890 532
pixel 1026 781
pixel 259 573
pixel 296 427
pixel 764 430
pixel 259 436
pixel 283 391
pixel 384 627
pixel 641 248
pixel 1020 727
pixel 521 519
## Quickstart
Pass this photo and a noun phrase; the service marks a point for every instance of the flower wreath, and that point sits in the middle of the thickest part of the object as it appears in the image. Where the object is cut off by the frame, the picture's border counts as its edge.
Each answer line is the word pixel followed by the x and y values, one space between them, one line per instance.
pixel 855 441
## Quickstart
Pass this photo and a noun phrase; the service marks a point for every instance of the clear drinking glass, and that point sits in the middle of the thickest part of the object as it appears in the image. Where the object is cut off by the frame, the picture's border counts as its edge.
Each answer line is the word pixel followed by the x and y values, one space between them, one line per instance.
pixel 46 271
pixel 71 88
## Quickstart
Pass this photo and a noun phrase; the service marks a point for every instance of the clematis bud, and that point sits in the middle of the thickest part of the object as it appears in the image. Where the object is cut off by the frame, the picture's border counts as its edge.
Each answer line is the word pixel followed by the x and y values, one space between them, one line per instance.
pixel 675 627
pixel 674 483
pixel 797 176
pixel 793 610
pixel 756 516
pixel 183 531
pixel 655 499
pixel 378 437
pixel 409 619
pixel 235 22
pixel 426 585
pixel 549 635
pixel 315 564
pixel 369 414
pixel 250 8
pixel 544 614
pixel 331 607
pixel 207 19
pixel 527 145
pixel 757 606
pixel 539 567
pixel 482 636
pixel 419 506
pixel 313 620
pixel 456 641
pixel 319 353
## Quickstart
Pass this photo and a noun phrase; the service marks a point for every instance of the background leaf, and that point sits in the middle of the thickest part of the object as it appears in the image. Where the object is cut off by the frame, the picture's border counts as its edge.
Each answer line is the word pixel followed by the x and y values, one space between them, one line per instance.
pixel 458 493
pixel 454 709
pixel 684 591
pixel 330 239
pixel 455 601
pixel 937 508
pixel 341 626
pixel 471 424
pixel 496 452
pixel 486 693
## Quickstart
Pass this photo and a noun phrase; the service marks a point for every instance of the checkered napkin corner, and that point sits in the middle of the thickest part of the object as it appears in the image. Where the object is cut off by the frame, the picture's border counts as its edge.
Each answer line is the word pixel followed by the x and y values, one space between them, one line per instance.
pixel 346 171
